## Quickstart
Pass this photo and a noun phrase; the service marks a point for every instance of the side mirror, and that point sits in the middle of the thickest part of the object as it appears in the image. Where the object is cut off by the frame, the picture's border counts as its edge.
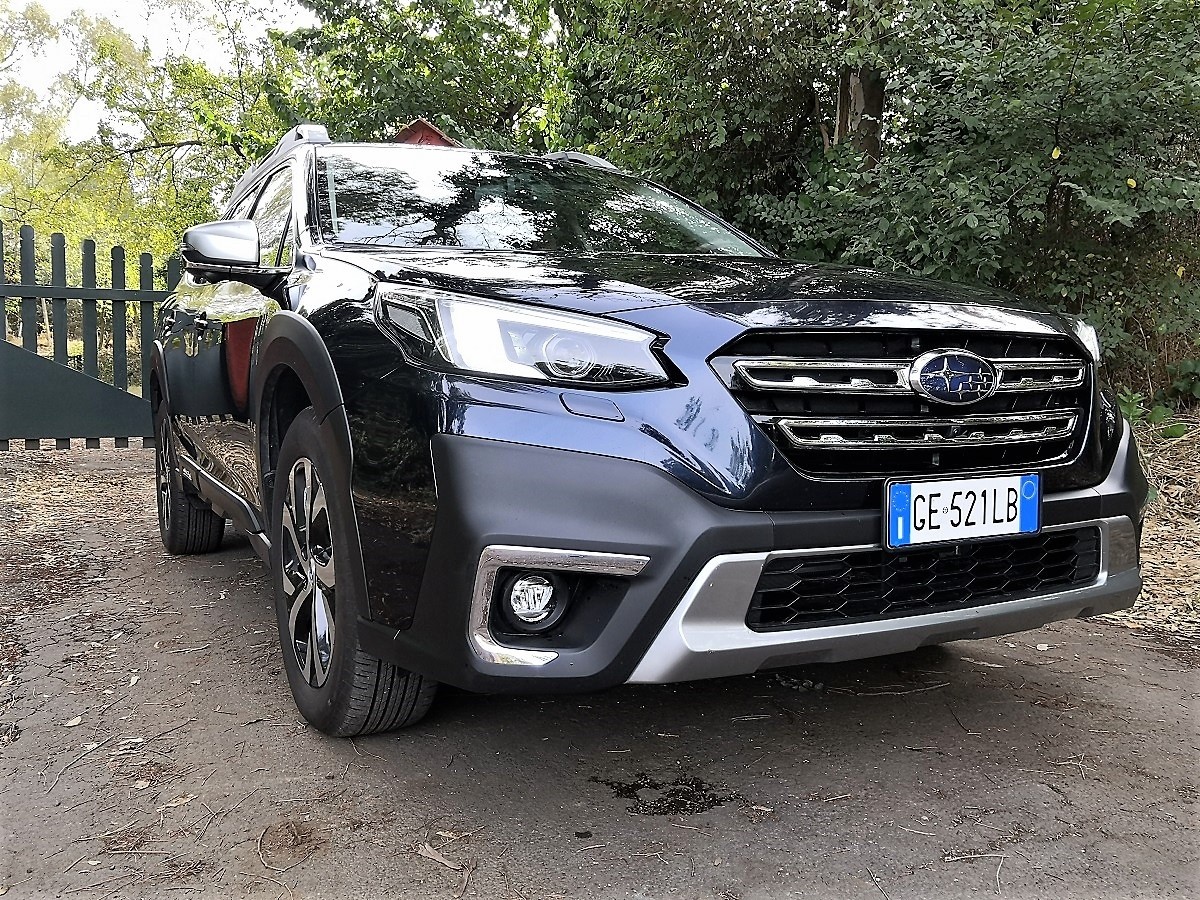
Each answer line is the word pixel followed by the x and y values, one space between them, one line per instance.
pixel 221 247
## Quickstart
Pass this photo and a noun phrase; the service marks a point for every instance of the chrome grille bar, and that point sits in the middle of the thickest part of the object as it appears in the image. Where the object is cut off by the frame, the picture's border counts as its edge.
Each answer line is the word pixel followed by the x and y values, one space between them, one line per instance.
pixel 885 376
pixel 840 403
pixel 889 376
pixel 967 431
pixel 1039 374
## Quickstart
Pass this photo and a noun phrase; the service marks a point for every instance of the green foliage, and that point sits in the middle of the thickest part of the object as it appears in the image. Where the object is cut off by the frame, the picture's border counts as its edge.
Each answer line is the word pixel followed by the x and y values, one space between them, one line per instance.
pixel 717 100
pixel 1049 149
pixel 22 33
pixel 1138 409
pixel 172 132
pixel 1184 380
pixel 175 128
pixel 475 69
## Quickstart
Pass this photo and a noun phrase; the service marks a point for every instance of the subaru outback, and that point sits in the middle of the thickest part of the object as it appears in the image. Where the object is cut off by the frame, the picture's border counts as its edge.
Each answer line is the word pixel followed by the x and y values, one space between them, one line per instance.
pixel 530 423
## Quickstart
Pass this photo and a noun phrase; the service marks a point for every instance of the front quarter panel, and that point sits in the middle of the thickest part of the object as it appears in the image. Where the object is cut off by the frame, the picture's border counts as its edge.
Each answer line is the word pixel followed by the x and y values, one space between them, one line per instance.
pixel 390 412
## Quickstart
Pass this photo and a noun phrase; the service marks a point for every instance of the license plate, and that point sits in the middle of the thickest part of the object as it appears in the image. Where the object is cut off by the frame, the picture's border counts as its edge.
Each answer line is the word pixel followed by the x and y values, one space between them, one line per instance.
pixel 929 512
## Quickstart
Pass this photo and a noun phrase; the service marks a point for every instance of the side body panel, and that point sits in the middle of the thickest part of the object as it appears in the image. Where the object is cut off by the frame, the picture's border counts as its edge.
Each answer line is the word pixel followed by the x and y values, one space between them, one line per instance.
pixel 210 360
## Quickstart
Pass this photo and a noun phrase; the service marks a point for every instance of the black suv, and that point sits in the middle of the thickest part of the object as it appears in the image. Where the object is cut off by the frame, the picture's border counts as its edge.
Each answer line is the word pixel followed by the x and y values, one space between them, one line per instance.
pixel 527 423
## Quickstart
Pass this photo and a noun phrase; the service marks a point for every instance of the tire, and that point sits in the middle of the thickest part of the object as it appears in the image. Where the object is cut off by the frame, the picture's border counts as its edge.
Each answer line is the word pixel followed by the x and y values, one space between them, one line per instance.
pixel 338 688
pixel 186 524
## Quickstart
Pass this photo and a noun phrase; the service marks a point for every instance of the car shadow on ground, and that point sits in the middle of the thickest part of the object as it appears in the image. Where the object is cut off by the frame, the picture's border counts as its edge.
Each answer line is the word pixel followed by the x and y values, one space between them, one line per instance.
pixel 970 715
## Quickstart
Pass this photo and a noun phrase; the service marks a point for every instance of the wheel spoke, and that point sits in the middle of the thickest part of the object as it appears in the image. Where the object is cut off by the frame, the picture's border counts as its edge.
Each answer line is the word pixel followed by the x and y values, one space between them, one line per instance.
pixel 319 506
pixel 309 571
pixel 298 502
pixel 162 458
pixel 322 637
pixel 306 665
pixel 298 605
pixel 321 539
pixel 324 571
pixel 293 555
pixel 307 469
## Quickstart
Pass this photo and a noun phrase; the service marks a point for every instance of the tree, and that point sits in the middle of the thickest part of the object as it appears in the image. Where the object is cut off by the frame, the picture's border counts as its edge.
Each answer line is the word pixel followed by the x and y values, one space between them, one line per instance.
pixel 715 98
pixel 475 68
pixel 22 33
pixel 173 132
pixel 177 125
pixel 1049 148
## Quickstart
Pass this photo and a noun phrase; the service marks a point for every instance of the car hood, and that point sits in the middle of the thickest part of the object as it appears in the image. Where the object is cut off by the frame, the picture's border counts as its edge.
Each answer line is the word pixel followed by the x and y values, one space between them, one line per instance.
pixel 752 292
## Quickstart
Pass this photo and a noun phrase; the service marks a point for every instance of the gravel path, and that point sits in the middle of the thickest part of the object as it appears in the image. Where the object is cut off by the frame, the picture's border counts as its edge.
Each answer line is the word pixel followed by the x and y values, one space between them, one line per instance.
pixel 149 748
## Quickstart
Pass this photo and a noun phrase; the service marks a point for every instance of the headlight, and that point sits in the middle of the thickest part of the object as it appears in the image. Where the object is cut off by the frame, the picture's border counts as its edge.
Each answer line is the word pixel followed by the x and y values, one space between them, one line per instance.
pixel 511 340
pixel 1087 334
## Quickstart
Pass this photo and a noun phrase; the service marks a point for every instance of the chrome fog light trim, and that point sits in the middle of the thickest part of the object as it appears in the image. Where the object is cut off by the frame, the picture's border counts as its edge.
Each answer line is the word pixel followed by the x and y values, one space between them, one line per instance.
pixel 497 557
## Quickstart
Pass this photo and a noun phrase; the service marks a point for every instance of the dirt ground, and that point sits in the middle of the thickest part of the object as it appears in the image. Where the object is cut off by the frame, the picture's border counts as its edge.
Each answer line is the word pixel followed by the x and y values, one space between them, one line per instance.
pixel 149 748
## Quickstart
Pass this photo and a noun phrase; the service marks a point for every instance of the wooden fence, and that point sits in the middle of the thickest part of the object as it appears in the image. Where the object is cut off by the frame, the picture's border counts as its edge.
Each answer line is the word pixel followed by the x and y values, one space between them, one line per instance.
pixel 103 334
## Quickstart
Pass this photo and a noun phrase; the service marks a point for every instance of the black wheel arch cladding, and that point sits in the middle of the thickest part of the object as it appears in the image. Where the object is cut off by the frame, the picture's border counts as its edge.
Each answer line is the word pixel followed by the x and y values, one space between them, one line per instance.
pixel 290 341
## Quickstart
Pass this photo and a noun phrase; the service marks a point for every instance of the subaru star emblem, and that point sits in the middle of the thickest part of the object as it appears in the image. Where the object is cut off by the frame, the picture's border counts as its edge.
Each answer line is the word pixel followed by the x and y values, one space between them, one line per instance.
pixel 957 377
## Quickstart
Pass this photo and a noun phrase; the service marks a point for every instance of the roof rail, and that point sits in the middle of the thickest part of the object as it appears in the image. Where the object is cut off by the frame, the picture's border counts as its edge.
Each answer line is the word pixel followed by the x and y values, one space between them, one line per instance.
pixel 305 133
pixel 586 159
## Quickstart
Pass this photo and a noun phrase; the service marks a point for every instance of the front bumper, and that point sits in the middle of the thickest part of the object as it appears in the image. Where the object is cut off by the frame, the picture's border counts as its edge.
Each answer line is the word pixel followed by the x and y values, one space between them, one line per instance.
pixel 684 570
pixel 707 637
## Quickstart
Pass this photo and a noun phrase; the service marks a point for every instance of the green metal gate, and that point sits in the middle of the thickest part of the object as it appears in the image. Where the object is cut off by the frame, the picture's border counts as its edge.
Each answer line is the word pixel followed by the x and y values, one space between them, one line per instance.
pixel 75 358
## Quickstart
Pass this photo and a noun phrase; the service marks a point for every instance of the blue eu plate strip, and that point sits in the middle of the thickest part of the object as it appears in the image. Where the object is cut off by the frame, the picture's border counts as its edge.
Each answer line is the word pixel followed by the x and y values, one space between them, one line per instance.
pixel 900 506
pixel 1029 503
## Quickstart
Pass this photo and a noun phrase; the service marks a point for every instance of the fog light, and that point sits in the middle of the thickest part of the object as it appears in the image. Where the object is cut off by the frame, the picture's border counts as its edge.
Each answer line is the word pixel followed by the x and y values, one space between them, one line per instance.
pixel 533 601
pixel 531 598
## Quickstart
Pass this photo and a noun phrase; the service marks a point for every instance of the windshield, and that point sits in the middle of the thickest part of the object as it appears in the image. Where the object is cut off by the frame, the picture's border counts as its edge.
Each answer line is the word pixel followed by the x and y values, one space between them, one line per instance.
pixel 412 196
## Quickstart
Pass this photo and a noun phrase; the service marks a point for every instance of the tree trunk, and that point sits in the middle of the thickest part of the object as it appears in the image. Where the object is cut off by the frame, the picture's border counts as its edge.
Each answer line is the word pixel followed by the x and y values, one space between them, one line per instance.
pixel 867 86
pixel 841 126
pixel 860 112
pixel 860 96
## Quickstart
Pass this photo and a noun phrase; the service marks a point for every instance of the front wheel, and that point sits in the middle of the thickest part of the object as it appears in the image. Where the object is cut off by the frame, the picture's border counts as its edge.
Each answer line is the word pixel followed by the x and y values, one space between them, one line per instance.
pixel 186 524
pixel 340 689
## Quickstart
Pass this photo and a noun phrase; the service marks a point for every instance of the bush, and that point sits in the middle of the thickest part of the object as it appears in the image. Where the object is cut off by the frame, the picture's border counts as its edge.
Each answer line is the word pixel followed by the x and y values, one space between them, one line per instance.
pixel 1048 149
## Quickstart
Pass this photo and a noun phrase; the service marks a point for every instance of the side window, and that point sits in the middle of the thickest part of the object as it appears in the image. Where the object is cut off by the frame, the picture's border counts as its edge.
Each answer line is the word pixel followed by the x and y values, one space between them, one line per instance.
pixel 271 214
pixel 242 209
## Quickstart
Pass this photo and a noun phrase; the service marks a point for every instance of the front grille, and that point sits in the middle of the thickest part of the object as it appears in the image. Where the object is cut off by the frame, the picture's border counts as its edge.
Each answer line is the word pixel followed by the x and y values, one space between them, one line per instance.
pixel 856 585
pixel 838 403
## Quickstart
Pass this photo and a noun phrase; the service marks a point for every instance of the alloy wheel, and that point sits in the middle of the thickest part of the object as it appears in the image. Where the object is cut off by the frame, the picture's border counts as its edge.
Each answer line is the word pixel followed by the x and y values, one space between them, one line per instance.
pixel 162 471
pixel 309 579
